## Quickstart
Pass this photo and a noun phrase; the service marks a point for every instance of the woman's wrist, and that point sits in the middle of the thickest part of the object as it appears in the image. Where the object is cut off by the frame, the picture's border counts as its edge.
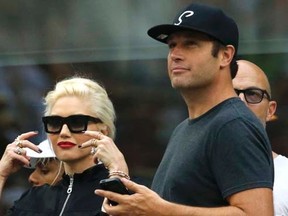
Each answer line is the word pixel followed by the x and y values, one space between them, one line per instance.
pixel 118 173
pixel 120 165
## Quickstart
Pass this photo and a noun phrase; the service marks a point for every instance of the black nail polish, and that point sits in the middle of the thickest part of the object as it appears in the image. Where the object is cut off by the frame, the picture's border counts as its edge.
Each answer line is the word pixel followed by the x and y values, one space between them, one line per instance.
pixel 39 150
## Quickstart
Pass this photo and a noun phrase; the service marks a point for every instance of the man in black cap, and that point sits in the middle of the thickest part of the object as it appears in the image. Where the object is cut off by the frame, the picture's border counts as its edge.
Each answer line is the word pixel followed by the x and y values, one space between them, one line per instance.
pixel 218 161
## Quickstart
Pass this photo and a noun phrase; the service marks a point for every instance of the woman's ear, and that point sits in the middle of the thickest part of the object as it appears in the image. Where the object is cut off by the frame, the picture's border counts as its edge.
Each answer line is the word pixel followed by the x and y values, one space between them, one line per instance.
pixel 104 129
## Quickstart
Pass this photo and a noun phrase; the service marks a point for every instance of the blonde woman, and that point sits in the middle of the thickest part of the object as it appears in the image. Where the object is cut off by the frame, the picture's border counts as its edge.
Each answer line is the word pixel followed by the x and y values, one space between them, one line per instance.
pixel 78 115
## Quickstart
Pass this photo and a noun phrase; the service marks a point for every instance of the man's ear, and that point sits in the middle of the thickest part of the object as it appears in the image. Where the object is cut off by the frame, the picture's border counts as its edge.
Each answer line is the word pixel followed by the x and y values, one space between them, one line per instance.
pixel 271 111
pixel 227 55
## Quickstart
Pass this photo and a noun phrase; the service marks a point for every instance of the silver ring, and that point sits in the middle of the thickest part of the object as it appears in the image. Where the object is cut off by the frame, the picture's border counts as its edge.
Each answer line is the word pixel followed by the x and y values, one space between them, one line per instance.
pixel 18 150
pixel 93 150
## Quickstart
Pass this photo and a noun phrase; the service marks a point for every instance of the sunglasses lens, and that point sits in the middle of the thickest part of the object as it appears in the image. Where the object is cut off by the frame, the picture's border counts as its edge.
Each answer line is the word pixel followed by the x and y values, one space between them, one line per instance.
pixel 77 124
pixel 53 124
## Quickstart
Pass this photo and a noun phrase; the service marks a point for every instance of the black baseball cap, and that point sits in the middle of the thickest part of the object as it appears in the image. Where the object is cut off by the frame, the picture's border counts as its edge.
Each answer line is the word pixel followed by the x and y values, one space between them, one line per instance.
pixel 202 18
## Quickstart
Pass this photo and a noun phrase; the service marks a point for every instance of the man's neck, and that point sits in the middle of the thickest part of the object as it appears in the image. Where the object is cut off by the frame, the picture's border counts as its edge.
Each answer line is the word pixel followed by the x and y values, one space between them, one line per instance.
pixel 200 102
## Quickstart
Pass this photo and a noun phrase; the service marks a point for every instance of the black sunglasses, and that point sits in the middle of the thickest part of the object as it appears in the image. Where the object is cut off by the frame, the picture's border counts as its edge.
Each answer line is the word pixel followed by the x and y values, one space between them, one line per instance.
pixel 253 95
pixel 75 123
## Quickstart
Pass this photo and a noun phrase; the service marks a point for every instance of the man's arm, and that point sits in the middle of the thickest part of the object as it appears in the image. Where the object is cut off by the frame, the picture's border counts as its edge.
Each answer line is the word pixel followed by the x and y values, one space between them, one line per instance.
pixel 257 201
pixel 250 202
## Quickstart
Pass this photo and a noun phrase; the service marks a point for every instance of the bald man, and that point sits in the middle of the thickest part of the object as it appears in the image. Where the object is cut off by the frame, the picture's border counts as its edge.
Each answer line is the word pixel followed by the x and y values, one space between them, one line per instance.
pixel 252 86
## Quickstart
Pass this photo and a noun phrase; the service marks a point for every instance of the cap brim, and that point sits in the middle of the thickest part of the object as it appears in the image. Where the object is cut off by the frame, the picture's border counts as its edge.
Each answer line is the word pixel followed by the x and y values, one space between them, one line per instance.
pixel 44 154
pixel 162 32
pixel 47 151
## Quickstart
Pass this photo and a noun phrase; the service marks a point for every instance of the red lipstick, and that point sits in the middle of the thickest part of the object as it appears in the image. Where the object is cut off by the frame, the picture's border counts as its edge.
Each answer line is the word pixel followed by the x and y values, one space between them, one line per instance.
pixel 66 145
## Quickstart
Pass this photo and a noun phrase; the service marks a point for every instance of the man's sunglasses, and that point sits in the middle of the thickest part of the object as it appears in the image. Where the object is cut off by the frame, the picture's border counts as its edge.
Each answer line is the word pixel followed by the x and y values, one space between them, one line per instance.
pixel 253 95
pixel 75 123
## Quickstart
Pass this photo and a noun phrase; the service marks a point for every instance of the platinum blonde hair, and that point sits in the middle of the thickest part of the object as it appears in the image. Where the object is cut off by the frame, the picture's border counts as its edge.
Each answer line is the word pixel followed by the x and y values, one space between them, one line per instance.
pixel 88 90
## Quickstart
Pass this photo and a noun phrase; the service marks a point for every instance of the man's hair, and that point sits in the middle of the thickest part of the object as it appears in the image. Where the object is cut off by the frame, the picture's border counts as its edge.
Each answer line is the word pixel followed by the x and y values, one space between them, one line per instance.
pixel 217 46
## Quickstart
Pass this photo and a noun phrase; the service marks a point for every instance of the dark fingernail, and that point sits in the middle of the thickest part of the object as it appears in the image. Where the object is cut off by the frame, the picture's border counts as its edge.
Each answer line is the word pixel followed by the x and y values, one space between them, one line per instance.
pixel 39 150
